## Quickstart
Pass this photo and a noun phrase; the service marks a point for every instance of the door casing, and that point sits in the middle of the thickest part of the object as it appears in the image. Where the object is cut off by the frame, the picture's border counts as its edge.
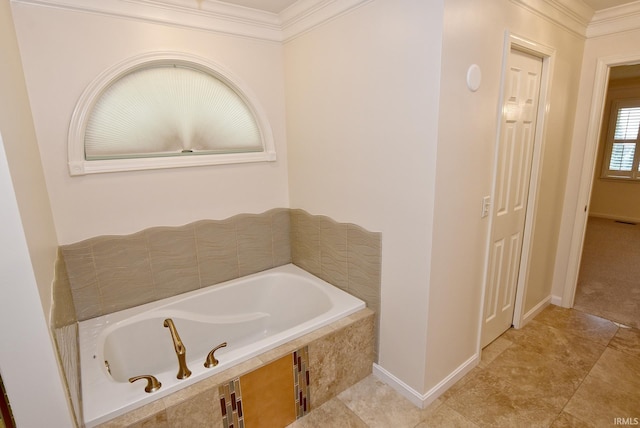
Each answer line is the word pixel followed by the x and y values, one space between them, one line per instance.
pixel 547 54
pixel 598 100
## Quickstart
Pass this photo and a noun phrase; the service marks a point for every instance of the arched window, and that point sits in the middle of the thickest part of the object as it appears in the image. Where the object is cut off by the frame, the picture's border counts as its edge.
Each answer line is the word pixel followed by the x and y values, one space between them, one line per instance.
pixel 166 110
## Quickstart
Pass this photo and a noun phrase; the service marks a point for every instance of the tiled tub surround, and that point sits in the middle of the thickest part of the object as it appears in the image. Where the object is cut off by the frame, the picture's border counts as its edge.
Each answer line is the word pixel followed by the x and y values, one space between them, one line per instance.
pixel 108 273
pixel 339 355
pixel 251 315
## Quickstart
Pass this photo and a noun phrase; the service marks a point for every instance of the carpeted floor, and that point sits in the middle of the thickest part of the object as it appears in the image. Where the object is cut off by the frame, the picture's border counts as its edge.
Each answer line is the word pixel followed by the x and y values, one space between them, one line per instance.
pixel 609 280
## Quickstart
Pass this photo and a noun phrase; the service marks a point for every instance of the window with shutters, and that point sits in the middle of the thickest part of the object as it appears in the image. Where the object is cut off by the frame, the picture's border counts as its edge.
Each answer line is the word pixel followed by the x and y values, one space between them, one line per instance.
pixel 622 155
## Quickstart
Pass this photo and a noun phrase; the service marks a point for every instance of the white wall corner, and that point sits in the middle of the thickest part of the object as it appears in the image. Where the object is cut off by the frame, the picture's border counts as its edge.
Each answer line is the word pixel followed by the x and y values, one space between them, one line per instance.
pixel 423 400
pixel 533 312
pixel 615 20
pixel 305 15
pixel 572 15
pixel 556 300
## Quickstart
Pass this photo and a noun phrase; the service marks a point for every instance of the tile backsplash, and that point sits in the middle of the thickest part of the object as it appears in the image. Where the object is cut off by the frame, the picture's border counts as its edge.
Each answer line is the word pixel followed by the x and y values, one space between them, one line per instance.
pixel 106 274
pixel 110 273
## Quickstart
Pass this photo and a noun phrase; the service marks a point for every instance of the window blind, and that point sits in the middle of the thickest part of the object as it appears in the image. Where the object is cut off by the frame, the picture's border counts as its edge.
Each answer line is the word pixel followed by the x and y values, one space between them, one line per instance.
pixel 625 137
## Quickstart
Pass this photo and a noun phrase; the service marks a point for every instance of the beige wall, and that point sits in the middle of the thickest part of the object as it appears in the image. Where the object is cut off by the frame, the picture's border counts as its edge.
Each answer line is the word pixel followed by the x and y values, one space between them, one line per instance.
pixel 27 356
pixel 21 146
pixel 362 108
pixel 369 124
pixel 610 198
pixel 474 33
pixel 64 50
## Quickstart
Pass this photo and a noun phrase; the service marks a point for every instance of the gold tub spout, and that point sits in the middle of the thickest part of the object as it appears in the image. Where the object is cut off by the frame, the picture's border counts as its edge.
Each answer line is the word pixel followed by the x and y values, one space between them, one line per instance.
pixel 181 351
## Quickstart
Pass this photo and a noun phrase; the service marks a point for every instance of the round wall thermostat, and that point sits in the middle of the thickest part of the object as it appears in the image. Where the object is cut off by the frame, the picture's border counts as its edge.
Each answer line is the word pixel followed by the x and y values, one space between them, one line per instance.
pixel 474 77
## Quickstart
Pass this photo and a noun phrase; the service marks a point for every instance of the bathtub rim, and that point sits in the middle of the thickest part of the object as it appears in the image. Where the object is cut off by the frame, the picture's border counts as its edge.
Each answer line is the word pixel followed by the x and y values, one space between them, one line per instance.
pixel 112 319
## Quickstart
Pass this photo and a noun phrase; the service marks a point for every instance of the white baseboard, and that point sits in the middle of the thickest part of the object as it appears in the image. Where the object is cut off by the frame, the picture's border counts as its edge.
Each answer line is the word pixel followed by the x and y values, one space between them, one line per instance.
pixel 536 310
pixel 423 400
pixel 556 300
pixel 615 217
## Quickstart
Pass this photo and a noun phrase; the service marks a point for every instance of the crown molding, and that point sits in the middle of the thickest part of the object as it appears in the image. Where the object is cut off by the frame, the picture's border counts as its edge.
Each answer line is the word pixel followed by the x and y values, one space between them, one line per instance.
pixel 615 20
pixel 572 15
pixel 305 15
pixel 210 16
pixel 213 15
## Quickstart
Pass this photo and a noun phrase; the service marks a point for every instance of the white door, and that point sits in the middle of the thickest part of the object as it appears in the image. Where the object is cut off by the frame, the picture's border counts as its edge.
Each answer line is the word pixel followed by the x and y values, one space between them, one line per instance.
pixel 515 152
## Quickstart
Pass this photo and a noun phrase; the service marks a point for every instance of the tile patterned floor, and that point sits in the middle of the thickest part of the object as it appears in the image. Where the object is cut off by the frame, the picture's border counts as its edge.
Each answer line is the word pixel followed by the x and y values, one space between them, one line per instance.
pixel 564 369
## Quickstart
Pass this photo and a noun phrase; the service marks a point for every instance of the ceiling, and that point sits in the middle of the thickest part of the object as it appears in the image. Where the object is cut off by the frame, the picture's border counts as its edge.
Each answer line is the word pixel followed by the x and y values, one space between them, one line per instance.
pixel 277 6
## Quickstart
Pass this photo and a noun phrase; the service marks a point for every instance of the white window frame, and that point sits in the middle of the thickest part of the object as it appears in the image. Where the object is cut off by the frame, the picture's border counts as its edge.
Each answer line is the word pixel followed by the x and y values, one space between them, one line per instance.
pixel 79 165
pixel 634 174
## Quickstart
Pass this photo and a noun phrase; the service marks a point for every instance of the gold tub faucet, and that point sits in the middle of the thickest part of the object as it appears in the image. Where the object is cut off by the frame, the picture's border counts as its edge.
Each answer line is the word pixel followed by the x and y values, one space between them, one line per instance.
pixel 152 383
pixel 181 351
pixel 211 360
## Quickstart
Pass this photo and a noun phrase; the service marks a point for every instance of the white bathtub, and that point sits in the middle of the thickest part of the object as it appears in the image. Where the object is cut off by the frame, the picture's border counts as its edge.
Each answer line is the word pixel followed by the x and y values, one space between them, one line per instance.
pixel 253 314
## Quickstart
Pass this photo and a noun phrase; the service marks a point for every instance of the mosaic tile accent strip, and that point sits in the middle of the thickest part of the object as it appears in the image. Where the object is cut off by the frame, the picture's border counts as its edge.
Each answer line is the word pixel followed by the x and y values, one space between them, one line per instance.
pixel 301 381
pixel 231 404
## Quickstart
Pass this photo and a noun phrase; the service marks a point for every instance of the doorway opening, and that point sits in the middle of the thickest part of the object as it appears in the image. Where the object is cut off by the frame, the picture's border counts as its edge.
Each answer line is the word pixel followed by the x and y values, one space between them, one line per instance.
pixel 610 262
pixel 596 123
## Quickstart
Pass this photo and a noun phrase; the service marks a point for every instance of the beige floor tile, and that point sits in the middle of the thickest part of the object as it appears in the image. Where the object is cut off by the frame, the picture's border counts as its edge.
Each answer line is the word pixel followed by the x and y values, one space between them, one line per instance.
pixel 557 343
pixel 619 369
pixel 490 401
pixel 627 340
pixel 578 323
pixel 600 402
pixel 540 376
pixel 459 385
pixel 333 413
pixel 495 348
pixel 565 420
pixel 379 406
pixel 445 417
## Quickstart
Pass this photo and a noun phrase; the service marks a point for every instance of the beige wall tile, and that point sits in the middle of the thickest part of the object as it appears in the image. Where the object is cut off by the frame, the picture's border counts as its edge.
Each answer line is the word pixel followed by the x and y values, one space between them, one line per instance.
pixel 305 238
pixel 255 243
pixel 123 270
pixel 174 261
pixel 364 254
pixel 110 273
pixel 340 359
pixel 201 411
pixel 333 252
pixel 217 247
pixel 281 231
pixel 145 416
pixel 64 312
pixel 80 266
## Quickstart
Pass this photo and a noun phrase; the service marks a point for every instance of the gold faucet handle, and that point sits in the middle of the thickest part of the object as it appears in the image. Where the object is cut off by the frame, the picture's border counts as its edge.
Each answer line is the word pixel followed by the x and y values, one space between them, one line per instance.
pixel 212 361
pixel 152 383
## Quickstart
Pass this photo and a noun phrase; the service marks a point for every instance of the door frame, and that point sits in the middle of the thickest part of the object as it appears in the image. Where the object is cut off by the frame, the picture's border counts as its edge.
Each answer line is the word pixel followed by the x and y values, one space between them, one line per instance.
pixel 598 100
pixel 547 55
